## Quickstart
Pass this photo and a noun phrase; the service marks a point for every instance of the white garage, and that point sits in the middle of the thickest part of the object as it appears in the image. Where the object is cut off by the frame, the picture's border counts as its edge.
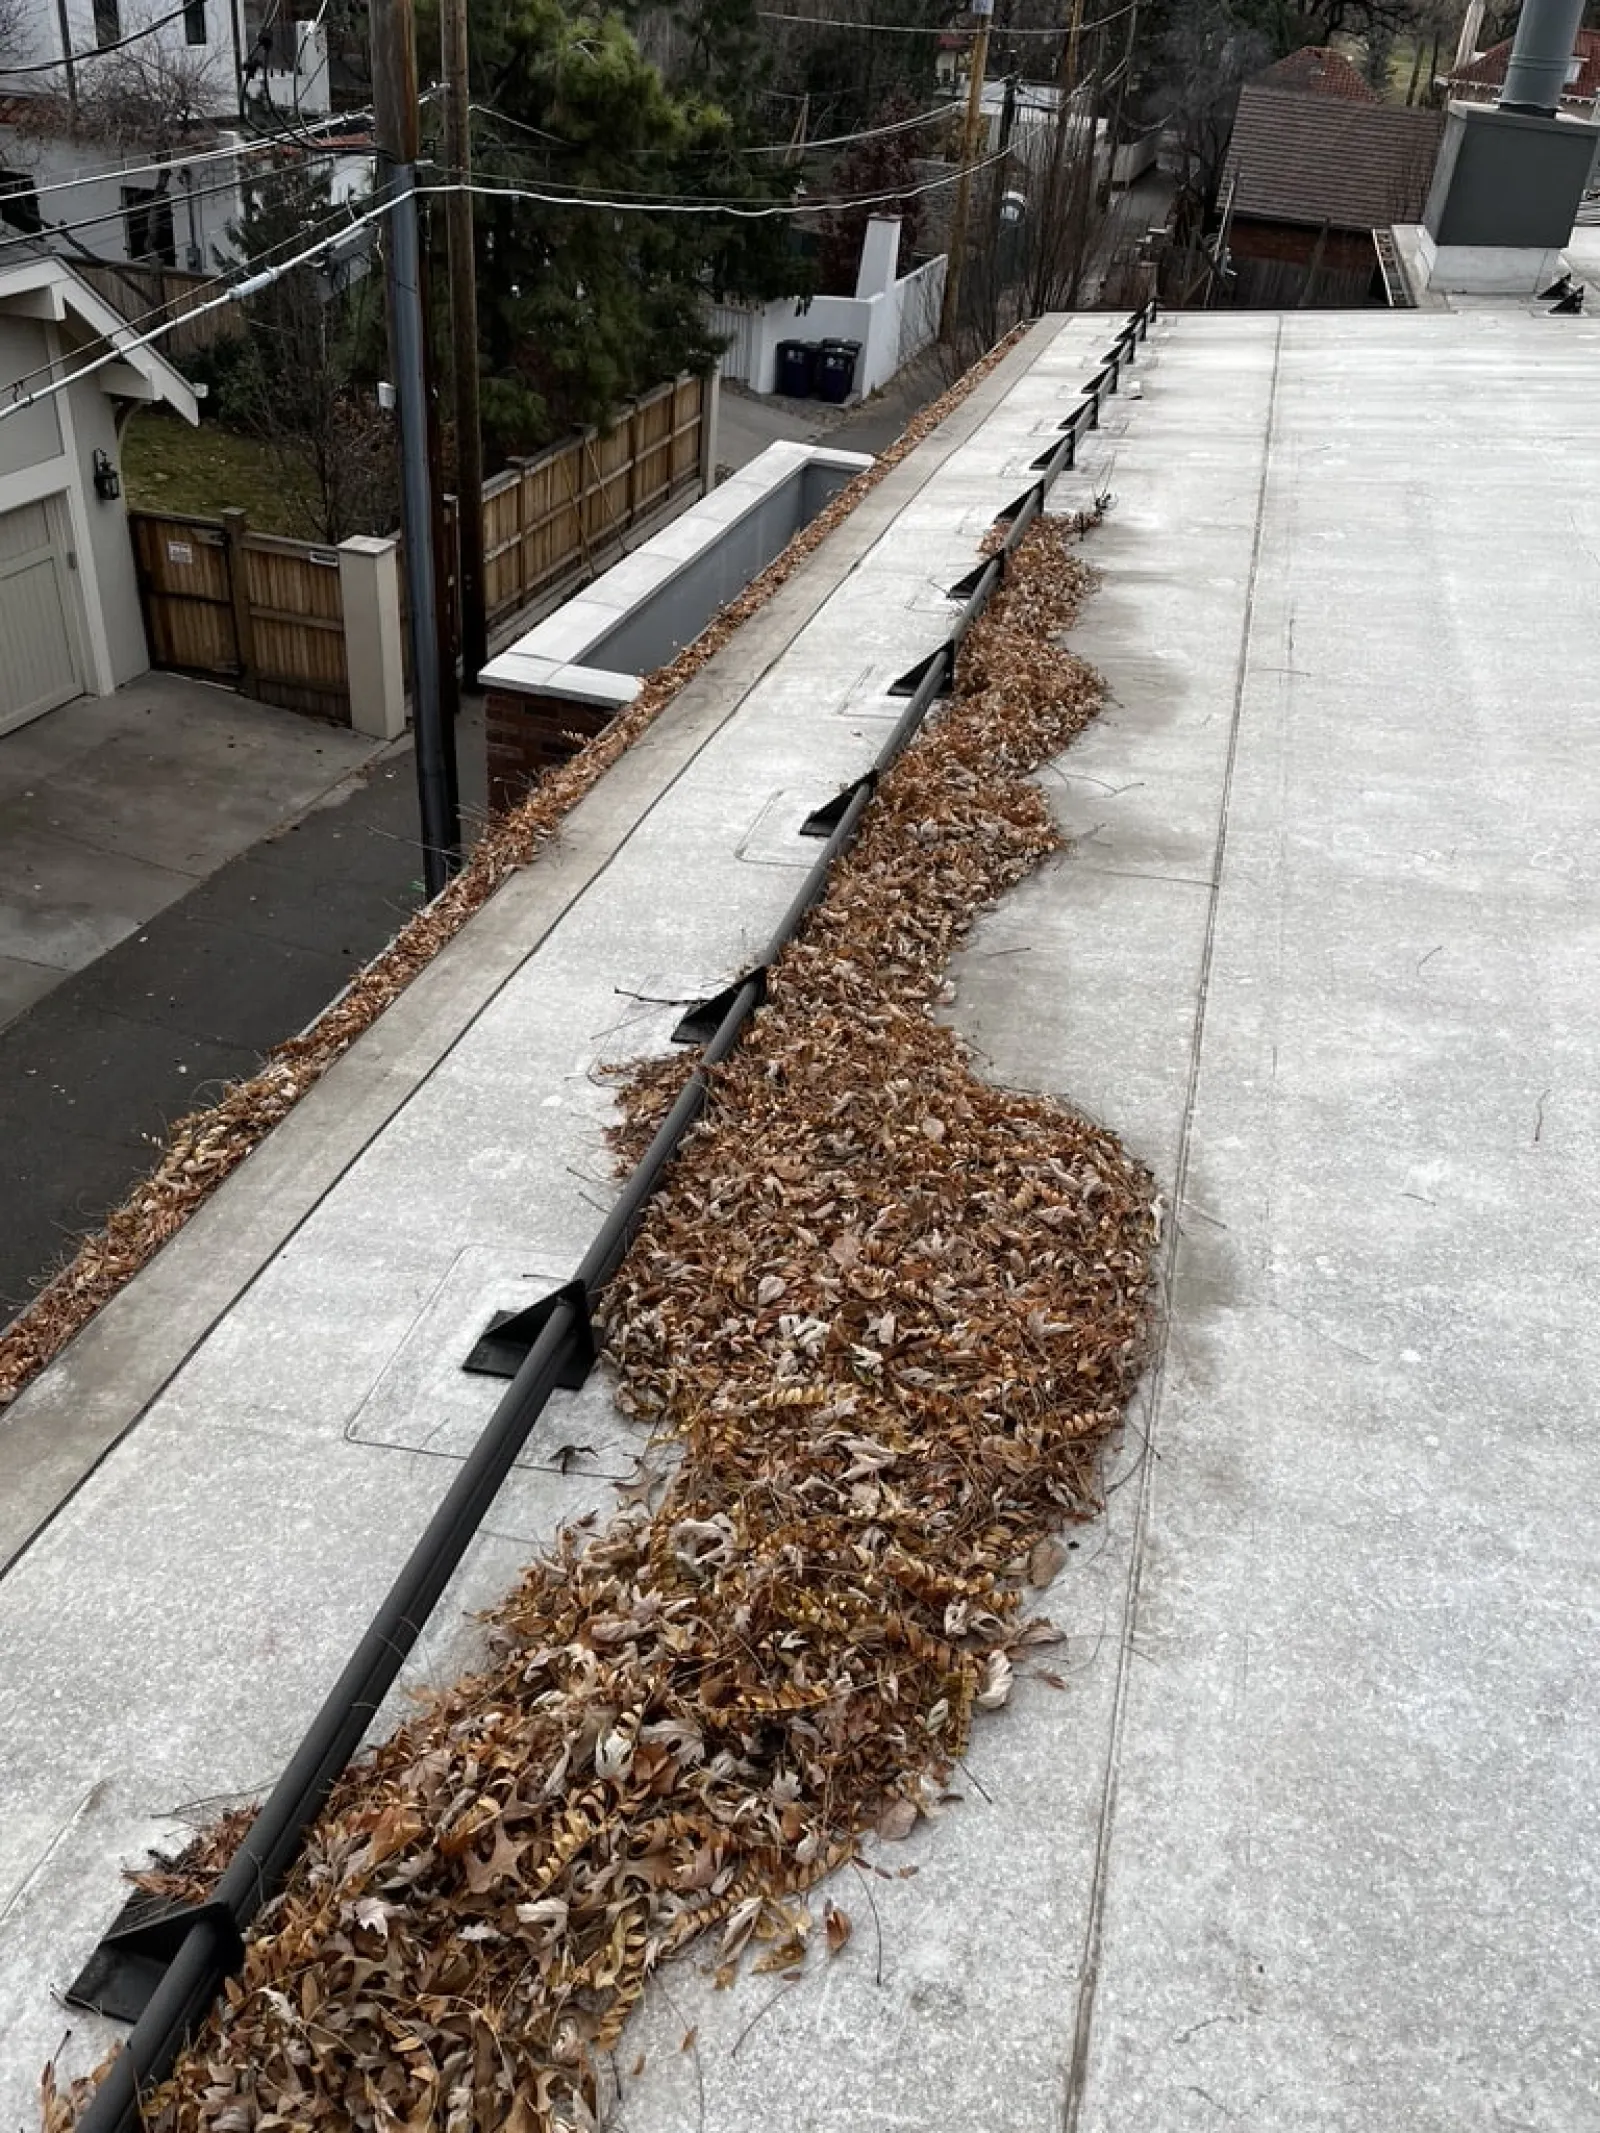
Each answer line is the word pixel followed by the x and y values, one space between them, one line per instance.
pixel 69 601
pixel 41 639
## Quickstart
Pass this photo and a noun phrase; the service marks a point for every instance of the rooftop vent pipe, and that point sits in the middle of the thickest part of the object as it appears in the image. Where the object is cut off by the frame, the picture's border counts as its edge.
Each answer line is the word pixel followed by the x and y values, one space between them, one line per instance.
pixel 1541 57
pixel 1510 176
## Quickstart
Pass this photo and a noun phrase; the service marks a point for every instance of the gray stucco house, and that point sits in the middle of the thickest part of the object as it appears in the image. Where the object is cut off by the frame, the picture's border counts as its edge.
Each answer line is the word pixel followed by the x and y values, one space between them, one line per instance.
pixel 70 623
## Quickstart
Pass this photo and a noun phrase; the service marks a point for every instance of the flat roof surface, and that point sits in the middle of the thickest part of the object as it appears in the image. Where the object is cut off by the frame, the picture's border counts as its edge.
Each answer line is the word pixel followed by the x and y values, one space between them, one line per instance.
pixel 1307 1839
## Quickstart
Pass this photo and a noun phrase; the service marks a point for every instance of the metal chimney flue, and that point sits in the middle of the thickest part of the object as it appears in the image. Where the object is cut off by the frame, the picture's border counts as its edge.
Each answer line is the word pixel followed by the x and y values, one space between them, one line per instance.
pixel 1510 175
pixel 1541 56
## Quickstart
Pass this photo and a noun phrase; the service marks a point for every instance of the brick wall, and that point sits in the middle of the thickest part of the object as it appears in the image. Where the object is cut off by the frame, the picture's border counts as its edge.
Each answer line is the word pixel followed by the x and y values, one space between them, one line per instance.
pixel 529 735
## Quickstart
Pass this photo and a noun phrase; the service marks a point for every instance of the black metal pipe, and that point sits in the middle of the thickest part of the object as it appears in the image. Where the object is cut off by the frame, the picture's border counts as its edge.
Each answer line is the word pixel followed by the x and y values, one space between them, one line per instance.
pixel 1032 504
pixel 269 1846
pixel 275 1836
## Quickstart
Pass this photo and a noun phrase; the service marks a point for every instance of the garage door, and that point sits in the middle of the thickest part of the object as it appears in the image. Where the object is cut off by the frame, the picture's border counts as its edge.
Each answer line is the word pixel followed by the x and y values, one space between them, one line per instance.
pixel 38 643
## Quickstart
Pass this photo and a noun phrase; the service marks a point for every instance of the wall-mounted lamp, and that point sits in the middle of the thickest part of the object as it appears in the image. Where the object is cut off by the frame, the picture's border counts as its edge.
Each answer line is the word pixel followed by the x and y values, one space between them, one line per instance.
pixel 107 481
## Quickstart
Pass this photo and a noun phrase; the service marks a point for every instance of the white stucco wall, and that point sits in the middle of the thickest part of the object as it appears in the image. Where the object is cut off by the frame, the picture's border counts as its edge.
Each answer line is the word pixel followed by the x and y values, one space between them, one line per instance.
pixel 204 196
pixel 32 434
pixel 213 64
pixel 91 422
pixel 891 317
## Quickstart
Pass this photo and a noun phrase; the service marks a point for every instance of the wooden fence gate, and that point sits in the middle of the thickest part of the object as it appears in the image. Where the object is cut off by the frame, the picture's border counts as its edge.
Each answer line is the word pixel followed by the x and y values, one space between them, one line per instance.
pixel 262 614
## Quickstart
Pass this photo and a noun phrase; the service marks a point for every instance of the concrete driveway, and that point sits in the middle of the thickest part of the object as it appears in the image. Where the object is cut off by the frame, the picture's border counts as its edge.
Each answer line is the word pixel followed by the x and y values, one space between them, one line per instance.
pixel 113 807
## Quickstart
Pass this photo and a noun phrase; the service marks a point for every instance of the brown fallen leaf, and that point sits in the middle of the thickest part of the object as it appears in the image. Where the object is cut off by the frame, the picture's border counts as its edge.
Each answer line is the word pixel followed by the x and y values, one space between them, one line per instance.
pixel 860 1472
pixel 687 2043
pixel 789 1951
pixel 897 1821
pixel 638 2065
pixel 1040 1632
pixel 1046 1561
pixel 501 1864
pixel 836 1924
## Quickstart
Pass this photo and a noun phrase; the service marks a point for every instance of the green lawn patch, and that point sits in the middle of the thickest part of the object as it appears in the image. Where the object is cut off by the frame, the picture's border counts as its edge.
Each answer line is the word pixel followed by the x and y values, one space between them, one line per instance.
pixel 167 466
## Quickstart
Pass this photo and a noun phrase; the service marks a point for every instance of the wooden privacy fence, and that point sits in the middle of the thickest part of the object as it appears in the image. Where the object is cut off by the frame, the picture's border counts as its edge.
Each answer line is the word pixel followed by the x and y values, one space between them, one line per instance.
pixel 136 288
pixel 265 614
pixel 555 521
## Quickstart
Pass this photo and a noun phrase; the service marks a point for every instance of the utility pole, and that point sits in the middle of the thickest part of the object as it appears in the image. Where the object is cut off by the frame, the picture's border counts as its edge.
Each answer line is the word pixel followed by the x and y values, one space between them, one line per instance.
pixel 464 325
pixel 1123 72
pixel 950 313
pixel 795 152
pixel 66 53
pixel 394 97
pixel 1054 214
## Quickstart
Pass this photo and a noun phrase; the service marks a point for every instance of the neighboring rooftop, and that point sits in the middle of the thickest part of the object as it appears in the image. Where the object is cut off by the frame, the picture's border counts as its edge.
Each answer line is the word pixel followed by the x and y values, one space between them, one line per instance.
pixel 1486 74
pixel 1318 70
pixel 1323 159
pixel 36 282
pixel 1295 1828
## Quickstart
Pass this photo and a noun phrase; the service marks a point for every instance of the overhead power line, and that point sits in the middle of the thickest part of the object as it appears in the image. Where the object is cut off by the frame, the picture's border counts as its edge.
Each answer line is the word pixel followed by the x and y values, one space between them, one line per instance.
pixel 93 51
pixel 243 151
pixel 260 278
pixel 685 204
pixel 915 29
pixel 765 148
pixel 229 292
pixel 176 198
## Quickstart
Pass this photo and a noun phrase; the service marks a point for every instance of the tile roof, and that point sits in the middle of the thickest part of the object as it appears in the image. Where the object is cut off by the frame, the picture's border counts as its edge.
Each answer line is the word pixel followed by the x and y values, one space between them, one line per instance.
pixel 1316 159
pixel 1318 70
pixel 1488 70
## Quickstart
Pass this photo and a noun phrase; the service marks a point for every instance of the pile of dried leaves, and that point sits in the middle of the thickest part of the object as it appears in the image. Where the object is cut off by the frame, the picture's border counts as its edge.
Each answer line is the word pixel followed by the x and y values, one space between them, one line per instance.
pixel 204 1147
pixel 887 1314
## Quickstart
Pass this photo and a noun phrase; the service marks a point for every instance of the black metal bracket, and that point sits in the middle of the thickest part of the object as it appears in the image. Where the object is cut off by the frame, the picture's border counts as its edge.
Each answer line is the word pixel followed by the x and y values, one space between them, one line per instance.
pixel 1570 305
pixel 824 820
pixel 914 677
pixel 120 1978
pixel 502 1347
pixel 703 1021
pixel 1019 504
pixel 965 587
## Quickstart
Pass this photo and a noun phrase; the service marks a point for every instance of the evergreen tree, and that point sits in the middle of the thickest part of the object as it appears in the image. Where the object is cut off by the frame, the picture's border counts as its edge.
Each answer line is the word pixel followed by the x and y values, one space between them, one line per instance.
pixel 885 163
pixel 582 306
